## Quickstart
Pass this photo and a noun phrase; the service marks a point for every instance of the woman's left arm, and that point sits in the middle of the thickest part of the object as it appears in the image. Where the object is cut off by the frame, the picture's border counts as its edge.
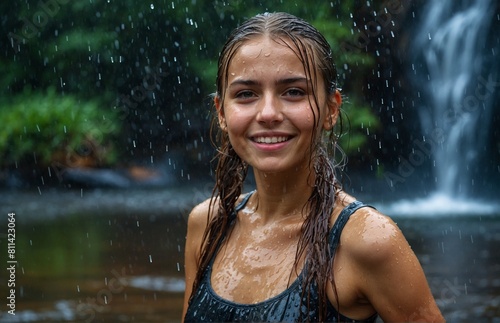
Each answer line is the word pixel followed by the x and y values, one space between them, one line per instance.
pixel 393 279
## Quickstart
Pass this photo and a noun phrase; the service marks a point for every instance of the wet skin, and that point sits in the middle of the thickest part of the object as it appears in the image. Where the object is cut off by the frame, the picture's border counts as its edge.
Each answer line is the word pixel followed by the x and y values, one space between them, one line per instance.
pixel 270 122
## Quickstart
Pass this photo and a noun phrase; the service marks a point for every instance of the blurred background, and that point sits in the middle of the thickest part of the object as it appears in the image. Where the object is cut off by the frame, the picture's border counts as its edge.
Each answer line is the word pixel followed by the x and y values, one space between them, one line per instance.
pixel 105 144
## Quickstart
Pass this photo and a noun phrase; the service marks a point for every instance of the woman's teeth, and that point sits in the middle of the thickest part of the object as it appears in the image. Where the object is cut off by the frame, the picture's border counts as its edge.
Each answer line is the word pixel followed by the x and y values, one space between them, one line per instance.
pixel 270 140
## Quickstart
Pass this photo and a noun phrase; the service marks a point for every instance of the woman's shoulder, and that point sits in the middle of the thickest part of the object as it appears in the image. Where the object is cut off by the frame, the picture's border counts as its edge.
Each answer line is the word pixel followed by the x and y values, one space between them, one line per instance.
pixel 371 236
pixel 199 214
pixel 204 211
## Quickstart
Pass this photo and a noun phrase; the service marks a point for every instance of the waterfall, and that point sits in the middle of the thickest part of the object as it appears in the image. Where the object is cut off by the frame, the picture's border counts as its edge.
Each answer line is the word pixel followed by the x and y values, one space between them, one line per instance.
pixel 452 75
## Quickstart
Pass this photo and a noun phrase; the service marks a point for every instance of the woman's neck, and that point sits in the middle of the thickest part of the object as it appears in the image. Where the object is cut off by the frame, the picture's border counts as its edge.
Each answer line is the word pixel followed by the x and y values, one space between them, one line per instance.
pixel 281 195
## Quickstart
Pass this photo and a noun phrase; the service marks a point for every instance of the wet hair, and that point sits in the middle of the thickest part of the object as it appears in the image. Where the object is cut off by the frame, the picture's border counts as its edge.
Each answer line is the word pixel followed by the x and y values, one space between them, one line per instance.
pixel 315 53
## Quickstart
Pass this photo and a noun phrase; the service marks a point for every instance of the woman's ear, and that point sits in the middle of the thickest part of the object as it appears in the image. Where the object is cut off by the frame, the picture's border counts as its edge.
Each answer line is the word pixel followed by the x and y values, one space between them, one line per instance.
pixel 220 113
pixel 333 104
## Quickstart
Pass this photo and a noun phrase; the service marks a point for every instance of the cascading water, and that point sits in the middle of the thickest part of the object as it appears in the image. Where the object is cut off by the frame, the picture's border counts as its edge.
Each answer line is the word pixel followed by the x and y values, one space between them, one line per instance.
pixel 452 73
pixel 451 41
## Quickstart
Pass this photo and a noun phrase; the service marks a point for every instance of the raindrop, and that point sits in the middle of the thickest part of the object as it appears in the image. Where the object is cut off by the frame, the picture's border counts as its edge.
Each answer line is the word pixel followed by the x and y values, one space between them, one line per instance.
pixel 150 258
pixel 152 6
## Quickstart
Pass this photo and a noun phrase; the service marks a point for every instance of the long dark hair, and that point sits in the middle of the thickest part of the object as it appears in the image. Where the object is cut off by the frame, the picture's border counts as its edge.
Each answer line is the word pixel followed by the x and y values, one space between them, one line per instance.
pixel 313 50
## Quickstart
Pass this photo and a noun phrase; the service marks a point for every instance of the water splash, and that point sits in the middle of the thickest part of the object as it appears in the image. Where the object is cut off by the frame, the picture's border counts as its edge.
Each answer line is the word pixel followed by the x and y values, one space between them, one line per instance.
pixel 439 204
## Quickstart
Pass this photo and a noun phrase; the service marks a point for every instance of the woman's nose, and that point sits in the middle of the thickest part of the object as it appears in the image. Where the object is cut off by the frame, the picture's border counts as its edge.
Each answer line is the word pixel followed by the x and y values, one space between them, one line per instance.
pixel 269 110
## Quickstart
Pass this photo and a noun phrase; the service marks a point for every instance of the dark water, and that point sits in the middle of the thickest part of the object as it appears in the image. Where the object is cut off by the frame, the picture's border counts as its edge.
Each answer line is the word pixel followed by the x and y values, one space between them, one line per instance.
pixel 117 256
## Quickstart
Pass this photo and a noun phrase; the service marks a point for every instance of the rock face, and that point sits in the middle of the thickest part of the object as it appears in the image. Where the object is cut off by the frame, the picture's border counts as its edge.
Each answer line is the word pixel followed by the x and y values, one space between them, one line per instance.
pixel 115 178
pixel 28 176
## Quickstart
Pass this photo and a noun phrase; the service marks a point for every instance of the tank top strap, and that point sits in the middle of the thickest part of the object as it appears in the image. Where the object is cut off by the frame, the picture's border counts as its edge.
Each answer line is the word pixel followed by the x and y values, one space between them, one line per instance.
pixel 338 226
pixel 241 205
pixel 243 202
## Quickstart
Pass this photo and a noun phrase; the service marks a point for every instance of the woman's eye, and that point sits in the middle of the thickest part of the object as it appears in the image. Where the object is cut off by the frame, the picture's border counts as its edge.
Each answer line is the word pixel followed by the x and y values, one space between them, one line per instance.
pixel 244 95
pixel 294 92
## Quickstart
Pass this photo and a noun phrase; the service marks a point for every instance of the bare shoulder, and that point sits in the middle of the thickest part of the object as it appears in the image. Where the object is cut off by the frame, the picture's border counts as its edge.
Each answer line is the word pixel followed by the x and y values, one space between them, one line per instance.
pixel 197 223
pixel 373 237
pixel 198 220
pixel 198 217
pixel 392 279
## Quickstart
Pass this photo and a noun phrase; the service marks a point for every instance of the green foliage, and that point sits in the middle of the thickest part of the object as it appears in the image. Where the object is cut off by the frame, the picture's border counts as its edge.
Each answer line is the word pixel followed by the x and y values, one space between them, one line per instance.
pixel 48 125
pixel 104 51
pixel 360 120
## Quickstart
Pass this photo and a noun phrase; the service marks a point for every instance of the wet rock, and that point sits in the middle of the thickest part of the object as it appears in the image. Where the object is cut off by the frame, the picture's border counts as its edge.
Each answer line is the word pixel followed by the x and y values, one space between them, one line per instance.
pixel 115 178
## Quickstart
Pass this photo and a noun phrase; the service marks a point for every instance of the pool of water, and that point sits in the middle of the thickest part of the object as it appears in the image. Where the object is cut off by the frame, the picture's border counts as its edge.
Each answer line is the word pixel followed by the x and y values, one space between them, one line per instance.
pixel 117 256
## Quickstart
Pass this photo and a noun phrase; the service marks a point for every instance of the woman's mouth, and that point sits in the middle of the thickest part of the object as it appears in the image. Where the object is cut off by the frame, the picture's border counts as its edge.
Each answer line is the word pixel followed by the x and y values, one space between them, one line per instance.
pixel 270 140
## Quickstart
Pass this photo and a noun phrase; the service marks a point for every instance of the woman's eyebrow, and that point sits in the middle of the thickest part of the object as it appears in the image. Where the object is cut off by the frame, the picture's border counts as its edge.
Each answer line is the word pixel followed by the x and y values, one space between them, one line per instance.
pixel 244 82
pixel 291 80
pixel 282 81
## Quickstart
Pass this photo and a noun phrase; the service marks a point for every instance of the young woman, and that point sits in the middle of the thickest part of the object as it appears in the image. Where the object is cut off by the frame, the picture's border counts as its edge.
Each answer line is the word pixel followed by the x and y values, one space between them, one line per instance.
pixel 297 248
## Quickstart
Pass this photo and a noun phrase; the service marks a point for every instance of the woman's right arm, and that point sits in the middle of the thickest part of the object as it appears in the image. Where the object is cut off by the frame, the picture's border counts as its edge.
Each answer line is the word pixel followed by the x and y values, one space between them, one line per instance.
pixel 197 223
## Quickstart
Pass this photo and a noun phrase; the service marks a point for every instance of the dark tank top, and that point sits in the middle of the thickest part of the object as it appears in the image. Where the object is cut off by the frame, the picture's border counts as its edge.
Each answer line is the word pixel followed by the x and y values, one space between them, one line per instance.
pixel 207 306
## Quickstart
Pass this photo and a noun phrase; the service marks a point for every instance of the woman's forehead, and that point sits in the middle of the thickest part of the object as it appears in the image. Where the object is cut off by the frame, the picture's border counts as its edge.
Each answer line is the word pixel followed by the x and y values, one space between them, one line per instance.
pixel 270 55
pixel 264 48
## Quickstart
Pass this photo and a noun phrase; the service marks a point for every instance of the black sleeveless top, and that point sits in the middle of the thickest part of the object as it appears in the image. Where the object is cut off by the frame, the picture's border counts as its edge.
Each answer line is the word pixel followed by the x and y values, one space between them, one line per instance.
pixel 207 306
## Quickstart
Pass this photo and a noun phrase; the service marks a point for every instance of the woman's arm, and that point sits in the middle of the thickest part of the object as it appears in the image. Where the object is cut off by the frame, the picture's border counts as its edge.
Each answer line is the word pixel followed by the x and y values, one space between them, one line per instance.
pixel 391 277
pixel 197 223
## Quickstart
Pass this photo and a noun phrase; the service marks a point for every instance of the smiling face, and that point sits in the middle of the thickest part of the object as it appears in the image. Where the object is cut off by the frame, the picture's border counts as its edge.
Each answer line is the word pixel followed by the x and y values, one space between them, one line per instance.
pixel 268 109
